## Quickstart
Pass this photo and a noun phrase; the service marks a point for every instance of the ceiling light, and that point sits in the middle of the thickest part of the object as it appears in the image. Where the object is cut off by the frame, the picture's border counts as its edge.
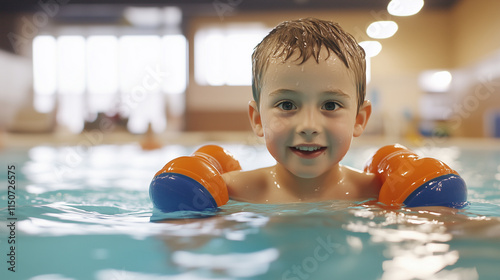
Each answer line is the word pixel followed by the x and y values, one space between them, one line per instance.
pixel 172 16
pixel 372 48
pixel 143 16
pixel 382 29
pixel 435 80
pixel 404 7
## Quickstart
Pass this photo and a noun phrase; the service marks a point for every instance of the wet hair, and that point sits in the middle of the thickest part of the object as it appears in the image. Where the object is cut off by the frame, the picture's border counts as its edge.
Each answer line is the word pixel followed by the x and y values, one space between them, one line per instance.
pixel 308 36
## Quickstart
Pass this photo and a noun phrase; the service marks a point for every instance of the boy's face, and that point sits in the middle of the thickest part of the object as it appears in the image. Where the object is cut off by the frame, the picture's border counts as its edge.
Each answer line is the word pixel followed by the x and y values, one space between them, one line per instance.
pixel 308 113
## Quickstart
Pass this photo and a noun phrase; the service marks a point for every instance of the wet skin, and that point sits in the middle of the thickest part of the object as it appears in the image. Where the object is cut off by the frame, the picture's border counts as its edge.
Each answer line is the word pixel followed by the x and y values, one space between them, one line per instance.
pixel 308 116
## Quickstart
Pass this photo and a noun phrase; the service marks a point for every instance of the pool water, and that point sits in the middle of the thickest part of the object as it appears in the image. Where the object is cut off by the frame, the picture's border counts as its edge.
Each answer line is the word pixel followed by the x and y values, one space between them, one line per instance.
pixel 84 213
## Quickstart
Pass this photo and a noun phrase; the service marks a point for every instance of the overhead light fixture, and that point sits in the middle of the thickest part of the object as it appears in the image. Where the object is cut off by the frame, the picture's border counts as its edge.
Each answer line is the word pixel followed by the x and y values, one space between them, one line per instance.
pixel 404 8
pixel 435 80
pixel 143 16
pixel 382 29
pixel 372 48
pixel 172 16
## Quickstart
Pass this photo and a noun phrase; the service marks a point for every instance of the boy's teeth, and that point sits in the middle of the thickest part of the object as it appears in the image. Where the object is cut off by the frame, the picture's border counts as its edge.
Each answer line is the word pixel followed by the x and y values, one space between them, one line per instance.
pixel 307 149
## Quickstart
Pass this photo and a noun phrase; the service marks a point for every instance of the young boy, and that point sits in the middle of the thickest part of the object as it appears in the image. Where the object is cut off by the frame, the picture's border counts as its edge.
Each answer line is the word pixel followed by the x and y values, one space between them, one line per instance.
pixel 309 102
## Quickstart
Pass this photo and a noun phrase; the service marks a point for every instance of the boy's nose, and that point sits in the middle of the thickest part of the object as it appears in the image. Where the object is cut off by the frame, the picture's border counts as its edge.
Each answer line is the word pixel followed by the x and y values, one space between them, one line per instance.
pixel 309 123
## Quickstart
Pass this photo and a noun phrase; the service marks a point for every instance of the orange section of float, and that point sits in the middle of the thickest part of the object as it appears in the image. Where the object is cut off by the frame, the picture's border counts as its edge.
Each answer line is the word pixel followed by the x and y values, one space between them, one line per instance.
pixel 203 171
pixel 205 166
pixel 402 172
pixel 224 159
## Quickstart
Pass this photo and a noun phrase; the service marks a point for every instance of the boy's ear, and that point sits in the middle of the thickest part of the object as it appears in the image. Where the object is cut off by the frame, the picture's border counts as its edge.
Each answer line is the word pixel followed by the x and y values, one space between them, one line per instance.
pixel 255 120
pixel 362 118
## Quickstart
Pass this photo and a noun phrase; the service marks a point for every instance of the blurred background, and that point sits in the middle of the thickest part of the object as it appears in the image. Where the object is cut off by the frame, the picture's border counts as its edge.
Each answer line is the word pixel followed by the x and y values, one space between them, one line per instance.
pixel 104 69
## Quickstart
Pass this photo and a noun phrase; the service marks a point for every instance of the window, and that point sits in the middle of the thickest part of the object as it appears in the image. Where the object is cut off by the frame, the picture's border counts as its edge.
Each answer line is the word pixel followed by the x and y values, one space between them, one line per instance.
pixel 44 73
pixel 223 54
pixel 128 75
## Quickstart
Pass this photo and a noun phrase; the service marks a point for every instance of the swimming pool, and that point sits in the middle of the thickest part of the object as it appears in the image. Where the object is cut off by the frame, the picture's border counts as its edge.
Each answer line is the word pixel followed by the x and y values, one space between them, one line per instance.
pixel 84 213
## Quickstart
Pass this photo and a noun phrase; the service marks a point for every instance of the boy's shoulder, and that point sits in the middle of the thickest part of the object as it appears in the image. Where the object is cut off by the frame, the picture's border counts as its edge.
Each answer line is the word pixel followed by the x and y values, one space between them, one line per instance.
pixel 255 186
pixel 247 185
pixel 362 184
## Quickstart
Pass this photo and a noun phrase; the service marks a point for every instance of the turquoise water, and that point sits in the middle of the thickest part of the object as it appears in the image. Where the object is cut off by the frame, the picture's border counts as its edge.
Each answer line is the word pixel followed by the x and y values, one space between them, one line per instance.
pixel 84 213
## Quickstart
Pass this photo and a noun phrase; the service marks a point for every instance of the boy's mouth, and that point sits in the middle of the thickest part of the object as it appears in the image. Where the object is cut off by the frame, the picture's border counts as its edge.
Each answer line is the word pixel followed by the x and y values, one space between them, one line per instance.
pixel 308 151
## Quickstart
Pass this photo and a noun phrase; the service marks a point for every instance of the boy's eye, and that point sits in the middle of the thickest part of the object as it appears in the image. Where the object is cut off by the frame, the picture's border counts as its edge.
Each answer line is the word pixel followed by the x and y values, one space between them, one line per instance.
pixel 330 106
pixel 287 106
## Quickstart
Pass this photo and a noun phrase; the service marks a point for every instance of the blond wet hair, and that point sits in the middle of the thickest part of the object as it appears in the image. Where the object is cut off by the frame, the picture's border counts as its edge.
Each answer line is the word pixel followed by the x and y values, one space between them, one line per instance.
pixel 307 37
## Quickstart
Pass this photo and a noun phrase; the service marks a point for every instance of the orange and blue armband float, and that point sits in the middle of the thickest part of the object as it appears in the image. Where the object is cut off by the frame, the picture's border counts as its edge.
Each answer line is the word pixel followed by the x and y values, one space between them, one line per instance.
pixel 412 181
pixel 193 183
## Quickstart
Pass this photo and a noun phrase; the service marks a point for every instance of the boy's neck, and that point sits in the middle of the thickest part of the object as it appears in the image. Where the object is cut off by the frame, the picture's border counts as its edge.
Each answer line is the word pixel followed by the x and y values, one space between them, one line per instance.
pixel 307 188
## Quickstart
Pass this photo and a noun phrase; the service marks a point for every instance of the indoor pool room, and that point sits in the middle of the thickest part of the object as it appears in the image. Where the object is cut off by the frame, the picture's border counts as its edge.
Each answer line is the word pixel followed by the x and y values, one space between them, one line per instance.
pixel 190 140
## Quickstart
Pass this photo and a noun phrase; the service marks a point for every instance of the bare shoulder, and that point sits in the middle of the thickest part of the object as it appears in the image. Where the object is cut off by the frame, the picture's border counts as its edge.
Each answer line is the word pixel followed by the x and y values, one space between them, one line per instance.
pixel 247 185
pixel 366 184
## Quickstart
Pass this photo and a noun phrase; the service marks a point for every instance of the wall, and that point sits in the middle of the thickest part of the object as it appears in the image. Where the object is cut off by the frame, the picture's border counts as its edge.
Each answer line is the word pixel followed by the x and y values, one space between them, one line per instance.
pixel 15 81
pixel 475 27
pixel 476 56
pixel 8 22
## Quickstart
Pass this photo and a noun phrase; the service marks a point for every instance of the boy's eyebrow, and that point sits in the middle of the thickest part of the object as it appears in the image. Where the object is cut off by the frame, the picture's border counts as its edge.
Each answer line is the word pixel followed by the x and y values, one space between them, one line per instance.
pixel 336 92
pixel 283 91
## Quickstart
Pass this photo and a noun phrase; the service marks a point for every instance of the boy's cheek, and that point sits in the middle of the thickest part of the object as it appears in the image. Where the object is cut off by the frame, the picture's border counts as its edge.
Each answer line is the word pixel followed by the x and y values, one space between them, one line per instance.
pixel 277 125
pixel 273 127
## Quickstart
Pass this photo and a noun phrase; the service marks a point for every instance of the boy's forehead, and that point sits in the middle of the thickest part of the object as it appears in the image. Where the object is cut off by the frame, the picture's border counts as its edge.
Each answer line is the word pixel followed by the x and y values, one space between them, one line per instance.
pixel 328 74
pixel 297 57
pixel 328 63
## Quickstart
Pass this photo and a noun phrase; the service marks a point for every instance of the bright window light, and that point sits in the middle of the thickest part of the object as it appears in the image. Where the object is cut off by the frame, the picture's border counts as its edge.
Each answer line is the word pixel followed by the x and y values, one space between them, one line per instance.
pixel 435 80
pixel 136 70
pixel 372 48
pixel 209 57
pixel 71 111
pixel 44 65
pixel 142 74
pixel 223 54
pixel 404 7
pixel 175 49
pixel 44 73
pixel 382 29
pixel 140 64
pixel 239 46
pixel 71 64
pixel 102 64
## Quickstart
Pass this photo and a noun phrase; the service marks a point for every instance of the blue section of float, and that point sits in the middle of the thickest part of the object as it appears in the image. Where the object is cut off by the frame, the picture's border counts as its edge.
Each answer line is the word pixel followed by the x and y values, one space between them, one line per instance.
pixel 171 192
pixel 447 190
